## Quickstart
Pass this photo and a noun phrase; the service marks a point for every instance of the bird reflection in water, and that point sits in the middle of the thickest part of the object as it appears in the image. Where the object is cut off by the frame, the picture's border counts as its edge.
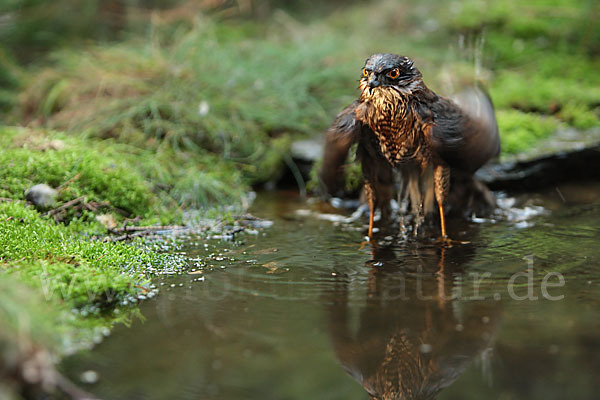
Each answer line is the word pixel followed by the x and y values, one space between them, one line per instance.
pixel 413 338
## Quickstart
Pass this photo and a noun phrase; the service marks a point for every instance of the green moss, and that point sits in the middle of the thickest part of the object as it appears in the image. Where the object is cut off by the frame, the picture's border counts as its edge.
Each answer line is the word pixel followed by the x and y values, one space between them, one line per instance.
pixel 67 267
pixel 545 95
pixel 541 53
pixel 62 262
pixel 26 322
pixel 76 167
pixel 520 131
pixel 556 19
pixel 57 261
pixel 579 116
pixel 130 181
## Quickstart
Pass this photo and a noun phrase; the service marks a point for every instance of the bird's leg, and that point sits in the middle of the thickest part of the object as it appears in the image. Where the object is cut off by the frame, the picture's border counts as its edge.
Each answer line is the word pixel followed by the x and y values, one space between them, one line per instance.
pixel 403 202
pixel 414 193
pixel 442 220
pixel 402 211
pixel 370 194
pixel 441 179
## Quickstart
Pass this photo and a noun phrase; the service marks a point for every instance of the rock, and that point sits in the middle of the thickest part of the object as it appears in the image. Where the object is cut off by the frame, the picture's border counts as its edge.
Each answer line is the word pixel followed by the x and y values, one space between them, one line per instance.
pixel 545 171
pixel 55 145
pixel 41 195
pixel 563 141
pixel 90 377
pixel 107 220
pixel 307 150
pixel 304 153
pixel 568 155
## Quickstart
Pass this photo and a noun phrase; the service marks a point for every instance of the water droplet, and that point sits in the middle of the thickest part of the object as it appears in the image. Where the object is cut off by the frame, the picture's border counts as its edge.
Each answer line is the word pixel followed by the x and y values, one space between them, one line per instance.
pixel 89 377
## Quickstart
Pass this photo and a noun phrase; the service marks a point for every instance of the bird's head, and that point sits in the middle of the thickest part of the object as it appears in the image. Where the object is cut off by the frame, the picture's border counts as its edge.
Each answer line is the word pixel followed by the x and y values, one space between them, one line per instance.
pixel 389 71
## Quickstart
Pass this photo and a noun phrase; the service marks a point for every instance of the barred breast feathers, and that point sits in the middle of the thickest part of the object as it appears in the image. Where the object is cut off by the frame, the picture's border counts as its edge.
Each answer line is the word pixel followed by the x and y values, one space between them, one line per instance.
pixel 398 127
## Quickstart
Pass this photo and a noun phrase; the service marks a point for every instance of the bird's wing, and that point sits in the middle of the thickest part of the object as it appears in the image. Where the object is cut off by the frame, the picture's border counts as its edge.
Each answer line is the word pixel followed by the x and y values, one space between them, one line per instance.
pixel 465 132
pixel 342 134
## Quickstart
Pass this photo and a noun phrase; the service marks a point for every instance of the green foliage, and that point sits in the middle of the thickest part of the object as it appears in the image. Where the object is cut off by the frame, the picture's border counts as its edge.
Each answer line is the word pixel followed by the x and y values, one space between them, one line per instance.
pixel 9 81
pixel 520 131
pixel 30 26
pixel 75 166
pixel 556 19
pixel 579 116
pixel 206 91
pixel 547 91
pixel 543 53
pixel 54 258
pixel 133 181
pixel 61 290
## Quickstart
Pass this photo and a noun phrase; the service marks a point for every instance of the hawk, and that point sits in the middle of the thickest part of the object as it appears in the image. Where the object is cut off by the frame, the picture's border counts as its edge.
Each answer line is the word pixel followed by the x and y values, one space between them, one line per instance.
pixel 407 134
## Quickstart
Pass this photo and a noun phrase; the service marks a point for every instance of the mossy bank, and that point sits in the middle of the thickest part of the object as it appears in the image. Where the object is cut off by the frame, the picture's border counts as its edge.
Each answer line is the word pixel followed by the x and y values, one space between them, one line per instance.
pixel 62 255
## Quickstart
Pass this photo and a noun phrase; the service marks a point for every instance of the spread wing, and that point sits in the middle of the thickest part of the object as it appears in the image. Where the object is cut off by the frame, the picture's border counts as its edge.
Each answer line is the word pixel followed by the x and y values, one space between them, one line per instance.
pixel 339 138
pixel 465 133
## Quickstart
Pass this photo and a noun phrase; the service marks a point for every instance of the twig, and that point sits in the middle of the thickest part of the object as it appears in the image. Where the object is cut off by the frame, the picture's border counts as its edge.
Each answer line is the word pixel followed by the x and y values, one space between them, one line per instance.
pixel 90 207
pixel 66 205
pixel 119 210
pixel 147 228
pixel 125 236
pixel 67 183
pixel 247 217
pixel 137 231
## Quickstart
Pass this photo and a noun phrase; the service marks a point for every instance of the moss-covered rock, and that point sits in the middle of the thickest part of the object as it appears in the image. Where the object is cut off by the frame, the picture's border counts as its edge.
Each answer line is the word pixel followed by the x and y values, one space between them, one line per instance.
pixel 76 167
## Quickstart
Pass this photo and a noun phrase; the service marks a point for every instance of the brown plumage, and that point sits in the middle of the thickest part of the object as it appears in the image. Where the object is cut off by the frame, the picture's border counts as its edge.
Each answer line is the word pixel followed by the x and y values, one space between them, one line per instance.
pixel 407 134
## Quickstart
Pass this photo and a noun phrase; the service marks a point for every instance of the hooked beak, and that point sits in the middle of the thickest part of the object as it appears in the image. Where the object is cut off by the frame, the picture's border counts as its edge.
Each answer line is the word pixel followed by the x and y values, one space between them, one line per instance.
pixel 373 82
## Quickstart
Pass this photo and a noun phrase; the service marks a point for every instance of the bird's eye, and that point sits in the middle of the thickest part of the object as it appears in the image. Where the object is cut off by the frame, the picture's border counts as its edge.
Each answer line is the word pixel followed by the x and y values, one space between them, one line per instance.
pixel 394 73
pixel 365 72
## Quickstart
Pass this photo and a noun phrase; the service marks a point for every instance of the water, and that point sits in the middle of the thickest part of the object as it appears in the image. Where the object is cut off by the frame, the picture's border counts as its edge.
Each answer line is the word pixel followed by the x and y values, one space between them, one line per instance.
pixel 299 312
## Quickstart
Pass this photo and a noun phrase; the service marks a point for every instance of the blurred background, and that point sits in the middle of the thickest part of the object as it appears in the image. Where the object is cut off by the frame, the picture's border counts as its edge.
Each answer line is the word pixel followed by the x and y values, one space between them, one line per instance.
pixel 210 94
